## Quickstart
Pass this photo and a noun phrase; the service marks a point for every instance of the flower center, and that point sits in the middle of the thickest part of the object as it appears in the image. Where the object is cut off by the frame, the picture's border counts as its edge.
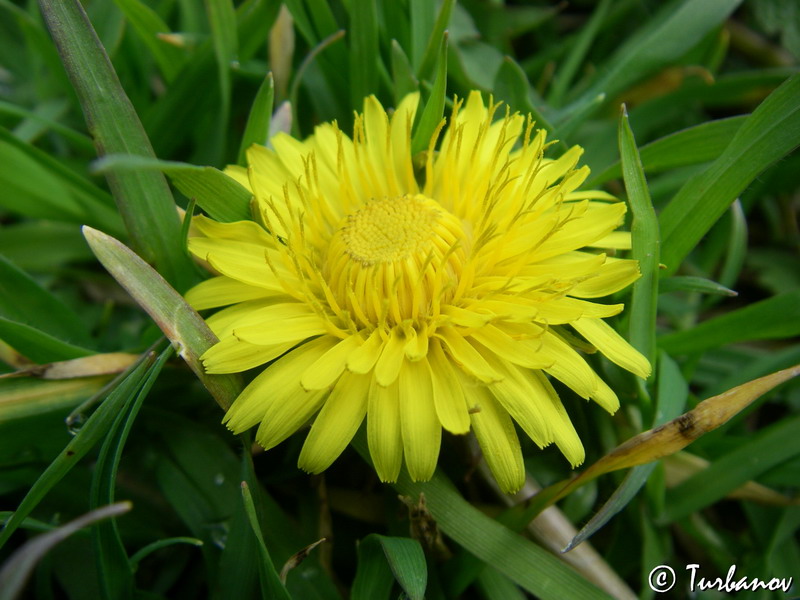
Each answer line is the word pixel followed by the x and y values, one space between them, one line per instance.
pixel 395 259
pixel 390 229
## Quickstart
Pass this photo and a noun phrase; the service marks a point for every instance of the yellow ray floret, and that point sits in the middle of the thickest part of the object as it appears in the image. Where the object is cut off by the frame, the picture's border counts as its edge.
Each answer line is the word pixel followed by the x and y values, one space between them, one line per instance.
pixel 448 304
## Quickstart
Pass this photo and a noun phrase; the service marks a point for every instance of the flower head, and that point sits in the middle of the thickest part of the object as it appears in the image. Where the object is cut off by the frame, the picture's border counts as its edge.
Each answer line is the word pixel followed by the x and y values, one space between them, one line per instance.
pixel 445 298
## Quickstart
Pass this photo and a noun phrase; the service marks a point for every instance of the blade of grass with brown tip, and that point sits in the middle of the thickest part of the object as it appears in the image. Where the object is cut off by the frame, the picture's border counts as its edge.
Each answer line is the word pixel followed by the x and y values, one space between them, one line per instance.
pixel 670 437
pixel 181 324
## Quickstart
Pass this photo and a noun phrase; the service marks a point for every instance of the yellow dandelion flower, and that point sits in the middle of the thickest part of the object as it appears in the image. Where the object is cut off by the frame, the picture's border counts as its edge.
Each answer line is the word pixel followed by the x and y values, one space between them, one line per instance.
pixel 447 298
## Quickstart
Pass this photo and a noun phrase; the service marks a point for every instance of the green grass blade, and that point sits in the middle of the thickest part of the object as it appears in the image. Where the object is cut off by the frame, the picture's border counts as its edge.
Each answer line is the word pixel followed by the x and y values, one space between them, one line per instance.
pixel 737 246
pixel 402 74
pixel 95 428
pixel 30 244
pixel 37 345
pixel 158 545
pixel 423 19
pixel 180 322
pixel 774 318
pixel 680 283
pixel 750 458
pixel 428 64
pixel 526 564
pixel 257 129
pixel 271 586
pixel 222 197
pixel 434 108
pixel 496 586
pixel 568 120
pixel 175 115
pixel 222 19
pixel 566 71
pixel 677 27
pixel 769 134
pixel 40 186
pixel 690 146
pixel 302 21
pixel 114 567
pixel 374 578
pixel 645 243
pixel 406 562
pixel 146 22
pixel 44 122
pixel 143 199
pixel 511 85
pixel 364 55
pixel 23 299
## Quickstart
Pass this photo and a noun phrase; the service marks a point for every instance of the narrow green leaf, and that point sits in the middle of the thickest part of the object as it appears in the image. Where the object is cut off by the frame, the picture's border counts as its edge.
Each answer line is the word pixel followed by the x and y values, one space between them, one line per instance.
pixel 158 545
pixel 676 28
pixel 571 118
pixel 44 122
pixel 690 146
pixel 146 22
pixel 565 72
pixel 496 586
pixel 530 566
pixel 95 428
pixel 402 74
pixel 279 120
pixel 271 586
pixel 769 134
pixel 423 18
pixel 116 574
pixel 693 284
pixel 405 560
pixel 281 536
pixel 769 362
pixel 511 85
pixel 364 55
pixel 737 246
pixel 23 299
pixel 645 243
pixel 333 90
pixel 428 64
pixel 37 345
pixel 302 21
pixel 374 578
pixel 748 460
pixel 324 20
pixel 30 244
pixel 222 19
pixel 257 129
pixel 774 318
pixel 143 199
pixel 433 112
pixel 37 185
pixel 222 197
pixel 20 565
pixel 181 324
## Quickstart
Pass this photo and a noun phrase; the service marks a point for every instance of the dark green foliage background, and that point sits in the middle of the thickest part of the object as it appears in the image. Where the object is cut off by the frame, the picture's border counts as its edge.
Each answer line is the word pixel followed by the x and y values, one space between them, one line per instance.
pixel 713 102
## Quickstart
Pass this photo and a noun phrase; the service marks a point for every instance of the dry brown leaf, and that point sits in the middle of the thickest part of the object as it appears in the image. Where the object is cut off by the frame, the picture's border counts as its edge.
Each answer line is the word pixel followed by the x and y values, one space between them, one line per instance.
pixel 678 433
pixel 87 366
